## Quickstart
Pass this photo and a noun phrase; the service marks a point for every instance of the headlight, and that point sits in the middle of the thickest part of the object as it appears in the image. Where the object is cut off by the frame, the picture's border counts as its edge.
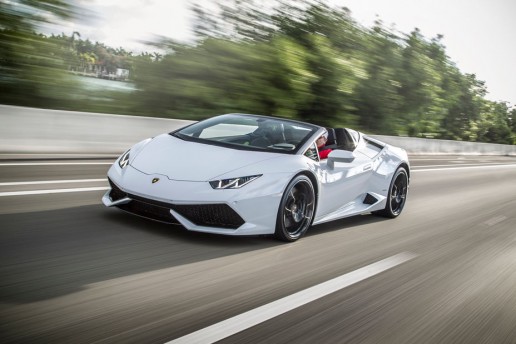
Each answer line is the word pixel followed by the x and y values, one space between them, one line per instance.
pixel 233 183
pixel 124 160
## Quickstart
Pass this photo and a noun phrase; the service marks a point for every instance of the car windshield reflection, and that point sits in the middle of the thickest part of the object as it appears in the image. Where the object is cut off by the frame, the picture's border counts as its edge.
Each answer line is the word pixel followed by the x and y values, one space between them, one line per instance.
pixel 250 132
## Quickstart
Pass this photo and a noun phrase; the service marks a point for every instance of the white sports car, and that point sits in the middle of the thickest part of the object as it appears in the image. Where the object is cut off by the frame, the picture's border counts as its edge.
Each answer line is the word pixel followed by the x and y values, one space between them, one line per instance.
pixel 252 175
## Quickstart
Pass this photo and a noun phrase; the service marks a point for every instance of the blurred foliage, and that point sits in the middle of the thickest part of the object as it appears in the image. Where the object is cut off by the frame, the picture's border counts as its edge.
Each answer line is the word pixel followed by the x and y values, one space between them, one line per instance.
pixel 30 65
pixel 303 60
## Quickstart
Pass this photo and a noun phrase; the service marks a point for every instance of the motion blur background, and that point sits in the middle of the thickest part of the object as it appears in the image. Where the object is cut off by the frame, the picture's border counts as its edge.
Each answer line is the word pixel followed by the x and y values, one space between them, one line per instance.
pixel 309 60
pixel 74 271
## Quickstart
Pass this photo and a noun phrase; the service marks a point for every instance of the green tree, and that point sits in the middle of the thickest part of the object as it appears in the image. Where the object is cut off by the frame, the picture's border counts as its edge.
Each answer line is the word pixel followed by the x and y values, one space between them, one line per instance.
pixel 512 121
pixel 328 36
pixel 304 60
pixel 32 67
pixel 235 20
pixel 378 101
pixel 465 110
pixel 222 76
pixel 494 123
pixel 423 106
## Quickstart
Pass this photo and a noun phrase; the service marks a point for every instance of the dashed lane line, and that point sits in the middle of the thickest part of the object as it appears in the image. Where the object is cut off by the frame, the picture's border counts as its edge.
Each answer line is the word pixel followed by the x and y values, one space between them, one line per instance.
pixel 54 163
pixel 55 191
pixel 266 312
pixel 40 182
pixel 419 169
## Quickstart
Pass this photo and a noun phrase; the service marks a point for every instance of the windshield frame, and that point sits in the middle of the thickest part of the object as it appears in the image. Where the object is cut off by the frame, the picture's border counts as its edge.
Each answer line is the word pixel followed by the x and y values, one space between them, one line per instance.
pixel 236 116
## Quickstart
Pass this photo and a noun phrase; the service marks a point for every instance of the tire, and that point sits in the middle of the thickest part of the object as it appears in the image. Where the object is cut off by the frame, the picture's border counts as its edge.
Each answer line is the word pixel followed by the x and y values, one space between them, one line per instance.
pixel 296 210
pixel 397 196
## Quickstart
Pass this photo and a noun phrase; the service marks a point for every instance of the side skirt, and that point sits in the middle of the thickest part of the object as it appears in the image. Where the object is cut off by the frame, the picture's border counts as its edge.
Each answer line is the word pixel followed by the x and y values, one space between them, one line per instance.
pixel 365 203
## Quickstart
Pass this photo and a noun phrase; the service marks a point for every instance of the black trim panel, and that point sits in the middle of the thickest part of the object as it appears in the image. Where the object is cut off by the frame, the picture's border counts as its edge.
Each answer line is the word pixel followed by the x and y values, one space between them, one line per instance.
pixel 207 215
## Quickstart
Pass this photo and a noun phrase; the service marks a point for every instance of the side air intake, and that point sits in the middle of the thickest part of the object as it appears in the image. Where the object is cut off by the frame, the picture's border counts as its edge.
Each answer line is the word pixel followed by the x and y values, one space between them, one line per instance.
pixel 369 199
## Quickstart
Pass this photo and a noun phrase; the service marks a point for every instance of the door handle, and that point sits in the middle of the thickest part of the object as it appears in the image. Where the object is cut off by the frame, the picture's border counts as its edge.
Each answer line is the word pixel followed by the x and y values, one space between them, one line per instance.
pixel 367 167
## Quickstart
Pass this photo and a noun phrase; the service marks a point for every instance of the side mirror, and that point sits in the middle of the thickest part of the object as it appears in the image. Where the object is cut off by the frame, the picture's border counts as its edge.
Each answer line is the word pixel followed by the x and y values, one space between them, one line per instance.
pixel 339 155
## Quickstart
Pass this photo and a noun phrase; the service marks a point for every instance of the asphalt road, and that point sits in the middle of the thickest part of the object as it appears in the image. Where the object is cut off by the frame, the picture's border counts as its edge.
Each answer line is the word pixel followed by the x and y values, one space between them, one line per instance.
pixel 73 271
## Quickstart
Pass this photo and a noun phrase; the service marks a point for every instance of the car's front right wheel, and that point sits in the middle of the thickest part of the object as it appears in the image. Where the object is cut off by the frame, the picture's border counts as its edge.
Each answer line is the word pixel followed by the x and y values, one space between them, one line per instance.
pixel 296 209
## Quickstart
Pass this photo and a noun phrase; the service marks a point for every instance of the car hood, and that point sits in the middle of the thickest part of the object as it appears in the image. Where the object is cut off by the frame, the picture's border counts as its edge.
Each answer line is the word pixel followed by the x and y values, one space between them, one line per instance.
pixel 191 161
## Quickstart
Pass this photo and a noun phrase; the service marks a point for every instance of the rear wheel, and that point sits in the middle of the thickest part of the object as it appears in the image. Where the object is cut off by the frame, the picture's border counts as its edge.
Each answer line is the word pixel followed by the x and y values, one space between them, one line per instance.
pixel 397 194
pixel 296 209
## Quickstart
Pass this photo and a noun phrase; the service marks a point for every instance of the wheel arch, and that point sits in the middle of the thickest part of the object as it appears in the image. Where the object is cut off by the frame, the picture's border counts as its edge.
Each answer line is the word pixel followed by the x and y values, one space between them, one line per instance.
pixel 315 184
pixel 406 167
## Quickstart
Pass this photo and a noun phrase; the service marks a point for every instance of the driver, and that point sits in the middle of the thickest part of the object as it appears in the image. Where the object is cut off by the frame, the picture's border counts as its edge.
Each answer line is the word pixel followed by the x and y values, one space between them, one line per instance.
pixel 321 142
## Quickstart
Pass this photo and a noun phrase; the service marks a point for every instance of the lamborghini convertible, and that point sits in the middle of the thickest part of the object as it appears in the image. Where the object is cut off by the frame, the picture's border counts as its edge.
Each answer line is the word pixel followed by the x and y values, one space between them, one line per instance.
pixel 242 174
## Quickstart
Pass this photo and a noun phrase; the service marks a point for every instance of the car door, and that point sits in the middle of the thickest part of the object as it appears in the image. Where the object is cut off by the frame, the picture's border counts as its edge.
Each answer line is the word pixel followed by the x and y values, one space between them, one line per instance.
pixel 342 183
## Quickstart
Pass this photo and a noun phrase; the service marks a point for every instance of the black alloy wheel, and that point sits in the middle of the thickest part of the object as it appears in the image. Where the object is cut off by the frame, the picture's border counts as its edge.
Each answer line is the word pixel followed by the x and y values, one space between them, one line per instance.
pixel 397 194
pixel 296 209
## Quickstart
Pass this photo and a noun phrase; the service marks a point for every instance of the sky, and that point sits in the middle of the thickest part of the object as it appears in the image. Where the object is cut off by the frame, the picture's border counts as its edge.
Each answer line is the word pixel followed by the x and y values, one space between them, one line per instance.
pixel 479 35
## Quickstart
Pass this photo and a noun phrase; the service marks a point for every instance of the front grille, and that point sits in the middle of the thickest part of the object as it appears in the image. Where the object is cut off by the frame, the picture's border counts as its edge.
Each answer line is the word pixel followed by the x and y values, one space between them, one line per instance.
pixel 207 215
pixel 210 215
pixel 150 211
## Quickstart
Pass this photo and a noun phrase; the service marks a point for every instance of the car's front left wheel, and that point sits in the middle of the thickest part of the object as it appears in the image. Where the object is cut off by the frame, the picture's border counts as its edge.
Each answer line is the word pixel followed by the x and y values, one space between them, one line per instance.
pixel 397 194
pixel 296 209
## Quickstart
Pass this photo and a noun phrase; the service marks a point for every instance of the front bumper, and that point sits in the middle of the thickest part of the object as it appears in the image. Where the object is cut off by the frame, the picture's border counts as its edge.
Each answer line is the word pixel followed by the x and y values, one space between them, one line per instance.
pixel 205 215
pixel 251 210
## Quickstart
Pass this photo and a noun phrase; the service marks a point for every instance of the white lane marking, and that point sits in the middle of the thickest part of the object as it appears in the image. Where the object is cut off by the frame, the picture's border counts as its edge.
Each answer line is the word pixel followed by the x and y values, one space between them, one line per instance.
pixel 263 313
pixel 54 182
pixel 49 156
pixel 53 163
pixel 458 160
pixel 39 192
pixel 414 169
pixel 465 165
pixel 495 220
pixel 43 192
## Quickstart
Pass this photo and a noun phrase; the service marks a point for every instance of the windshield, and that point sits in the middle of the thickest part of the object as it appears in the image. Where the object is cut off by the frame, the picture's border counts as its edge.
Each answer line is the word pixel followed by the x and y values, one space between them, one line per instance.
pixel 250 132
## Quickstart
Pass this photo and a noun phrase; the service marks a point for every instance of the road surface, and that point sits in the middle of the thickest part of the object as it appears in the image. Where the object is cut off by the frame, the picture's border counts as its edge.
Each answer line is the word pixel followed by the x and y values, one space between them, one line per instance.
pixel 73 271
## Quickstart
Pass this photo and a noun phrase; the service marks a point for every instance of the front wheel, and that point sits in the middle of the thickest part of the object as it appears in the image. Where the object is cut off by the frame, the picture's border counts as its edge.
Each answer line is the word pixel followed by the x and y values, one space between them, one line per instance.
pixel 296 209
pixel 397 194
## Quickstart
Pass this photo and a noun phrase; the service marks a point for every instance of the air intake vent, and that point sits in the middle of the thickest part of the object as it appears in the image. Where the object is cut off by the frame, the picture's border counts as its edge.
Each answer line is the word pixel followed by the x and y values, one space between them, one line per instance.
pixel 370 199
pixel 116 194
pixel 150 211
pixel 210 215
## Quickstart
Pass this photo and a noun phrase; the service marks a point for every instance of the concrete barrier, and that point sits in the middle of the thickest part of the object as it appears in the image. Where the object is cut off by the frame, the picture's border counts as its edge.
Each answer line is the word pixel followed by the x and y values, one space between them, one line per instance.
pixel 29 130
pixel 415 145
pixel 41 131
